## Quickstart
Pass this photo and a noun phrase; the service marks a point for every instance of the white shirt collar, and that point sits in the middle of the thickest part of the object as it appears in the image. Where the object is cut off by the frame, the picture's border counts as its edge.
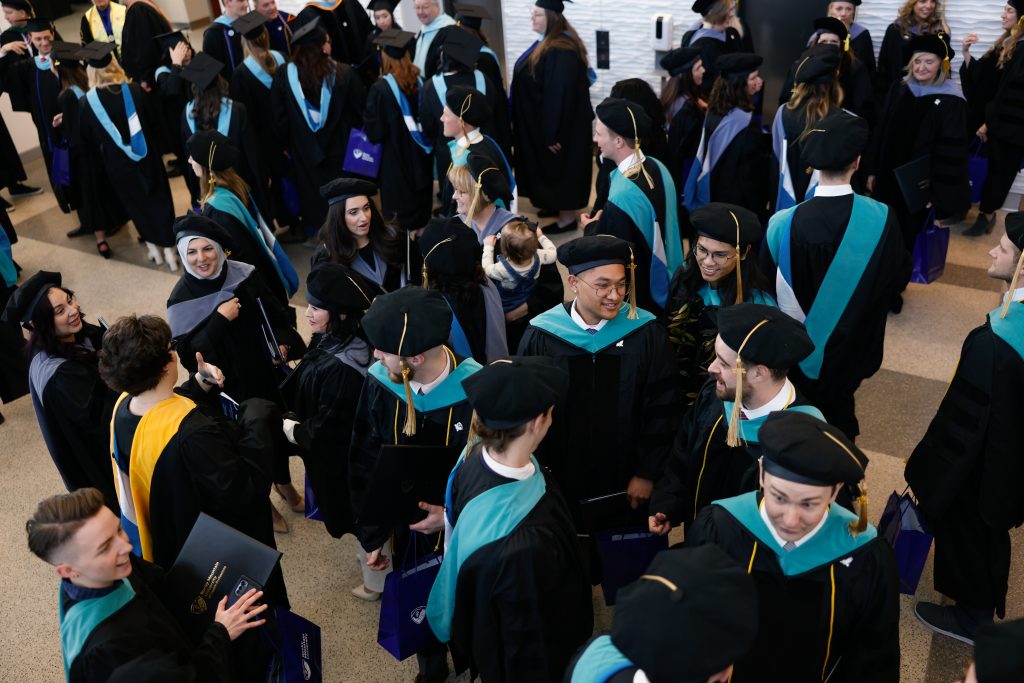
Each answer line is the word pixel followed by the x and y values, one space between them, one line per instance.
pixel 781 541
pixel 1018 294
pixel 420 388
pixel 470 138
pixel 576 318
pixel 517 473
pixel 833 190
pixel 626 163
pixel 782 399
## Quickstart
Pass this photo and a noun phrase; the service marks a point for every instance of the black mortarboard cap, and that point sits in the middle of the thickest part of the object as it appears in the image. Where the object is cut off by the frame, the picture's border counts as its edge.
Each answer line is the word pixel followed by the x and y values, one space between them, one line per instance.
pixel 999 652
pixel 1017 5
pixel 624 118
pixel 737 64
pixel 1015 228
pixel 212 150
pixel 835 142
pixel 64 51
pixel 168 41
pixel 764 335
pixel 469 104
pixel 471 16
pixel 461 46
pixel 855 3
pixel 680 60
pixel 801 448
pixel 689 616
pixel 39 24
pixel 308 32
pixel 376 5
pixel 593 251
pixel 818 64
pixel 489 177
pixel 408 321
pixel 702 6
pixel 335 288
pixel 194 225
pixel 395 42
pixel 23 301
pixel 449 247
pixel 202 71
pixel 340 189
pixel 508 393
pixel 727 223
pixel 98 54
pixel 250 25
pixel 553 5
pixel 932 43
pixel 23 5
pixel 831 25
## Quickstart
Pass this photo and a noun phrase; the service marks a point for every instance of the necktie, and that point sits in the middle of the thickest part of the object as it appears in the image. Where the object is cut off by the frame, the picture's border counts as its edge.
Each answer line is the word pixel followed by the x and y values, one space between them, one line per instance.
pixel 591 330
pixel 790 545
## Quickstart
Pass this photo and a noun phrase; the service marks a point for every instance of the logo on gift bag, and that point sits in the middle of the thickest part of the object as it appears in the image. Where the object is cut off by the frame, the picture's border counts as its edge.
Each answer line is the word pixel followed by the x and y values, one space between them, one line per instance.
pixel 307 673
pixel 363 155
pixel 418 614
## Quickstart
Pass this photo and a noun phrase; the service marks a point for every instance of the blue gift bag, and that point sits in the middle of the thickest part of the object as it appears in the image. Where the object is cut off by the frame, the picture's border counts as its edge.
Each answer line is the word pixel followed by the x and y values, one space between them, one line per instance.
pixel 299 658
pixel 930 247
pixel 362 157
pixel 60 169
pixel 977 172
pixel 403 628
pixel 625 555
pixel 903 526
pixel 312 509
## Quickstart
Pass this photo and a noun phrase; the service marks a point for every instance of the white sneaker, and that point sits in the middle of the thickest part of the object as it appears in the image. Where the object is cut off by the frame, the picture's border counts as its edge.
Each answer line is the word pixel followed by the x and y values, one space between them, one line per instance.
pixel 364 593
pixel 154 254
pixel 172 259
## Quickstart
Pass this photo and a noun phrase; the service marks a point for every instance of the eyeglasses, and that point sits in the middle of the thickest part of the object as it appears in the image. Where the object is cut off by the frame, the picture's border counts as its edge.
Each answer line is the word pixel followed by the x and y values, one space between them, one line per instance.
pixel 720 258
pixel 619 287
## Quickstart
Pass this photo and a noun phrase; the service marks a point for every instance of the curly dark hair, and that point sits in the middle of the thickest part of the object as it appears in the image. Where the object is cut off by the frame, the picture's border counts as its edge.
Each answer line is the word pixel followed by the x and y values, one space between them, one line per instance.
pixel 136 349
pixel 341 246
pixel 44 333
pixel 727 94
pixel 313 65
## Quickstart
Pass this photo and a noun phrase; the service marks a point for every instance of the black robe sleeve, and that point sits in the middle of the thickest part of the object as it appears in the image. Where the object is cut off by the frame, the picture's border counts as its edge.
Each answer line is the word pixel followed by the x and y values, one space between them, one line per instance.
pixel 864 49
pixel 670 491
pixel 363 452
pixel 890 60
pixel 85 31
pixel 1005 113
pixel 658 417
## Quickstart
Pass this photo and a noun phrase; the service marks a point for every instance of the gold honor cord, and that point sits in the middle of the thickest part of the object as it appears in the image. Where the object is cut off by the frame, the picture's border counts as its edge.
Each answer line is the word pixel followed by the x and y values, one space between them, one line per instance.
pixel 732 437
pixel 638 165
pixel 360 290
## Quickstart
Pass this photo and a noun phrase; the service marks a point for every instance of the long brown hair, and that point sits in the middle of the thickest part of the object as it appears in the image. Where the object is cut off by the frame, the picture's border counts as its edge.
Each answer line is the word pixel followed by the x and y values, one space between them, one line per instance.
pixel 906 20
pixel 680 86
pixel 207 107
pixel 71 73
pixel 817 100
pixel 404 71
pixel 314 66
pixel 341 245
pixel 259 48
pixel 560 35
pixel 727 94
pixel 228 179
pixel 1007 43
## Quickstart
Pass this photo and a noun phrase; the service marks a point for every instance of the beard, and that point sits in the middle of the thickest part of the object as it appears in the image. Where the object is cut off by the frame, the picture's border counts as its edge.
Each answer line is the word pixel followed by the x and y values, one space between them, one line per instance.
pixel 397 377
pixel 726 394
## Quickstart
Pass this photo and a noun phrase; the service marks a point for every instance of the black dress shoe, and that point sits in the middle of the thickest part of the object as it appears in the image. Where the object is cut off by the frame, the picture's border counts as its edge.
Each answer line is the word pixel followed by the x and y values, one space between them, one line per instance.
pixel 547 213
pixel 6 205
pixel 982 226
pixel 556 229
pixel 19 190
pixel 80 231
pixel 104 249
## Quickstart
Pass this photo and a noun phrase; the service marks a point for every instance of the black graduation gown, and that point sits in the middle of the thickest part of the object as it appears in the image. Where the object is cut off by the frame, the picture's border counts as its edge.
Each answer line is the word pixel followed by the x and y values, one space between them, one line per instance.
pixel 20 100
pixel 1005 113
pixel 141 186
pixel 911 128
pixel 368 66
pixel 684 133
pixel 484 147
pixel 380 416
pixel 354 26
pixel 741 175
pixel 42 88
pixel 13 366
pixel 406 179
pixel 224 44
pixel 891 60
pixel 391 280
pixel 237 346
pixel 711 48
pixel 702 467
pixel 619 415
pixel 854 350
pixel 246 249
pixel 317 158
pixel 140 54
pixel 858 89
pixel 979 79
pixel 144 625
pixel 793 123
pixel 73 407
pixel 174 93
pixel 11 169
pixel 966 468
pixel 323 392
pixel 522 603
pixel 864 49
pixel 848 607
pixel 552 105
pixel 280 34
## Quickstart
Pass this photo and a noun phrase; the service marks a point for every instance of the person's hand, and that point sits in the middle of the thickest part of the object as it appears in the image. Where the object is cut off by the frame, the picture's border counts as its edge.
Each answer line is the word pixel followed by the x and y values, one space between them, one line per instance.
pixel 540 233
pixel 19 46
pixel 238 618
pixel 230 308
pixel 658 524
pixel 983 132
pixel 433 522
pixel 57 120
pixel 146 86
pixel 870 184
pixel 555 148
pixel 288 426
pixel 209 373
pixel 587 219
pixel 489 241
pixel 517 312
pixel 376 561
pixel 179 53
pixel 965 47
pixel 284 354
pixel 639 491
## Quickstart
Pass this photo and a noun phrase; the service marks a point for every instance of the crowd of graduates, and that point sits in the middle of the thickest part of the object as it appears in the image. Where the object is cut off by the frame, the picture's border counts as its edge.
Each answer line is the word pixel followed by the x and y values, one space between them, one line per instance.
pixel 727 293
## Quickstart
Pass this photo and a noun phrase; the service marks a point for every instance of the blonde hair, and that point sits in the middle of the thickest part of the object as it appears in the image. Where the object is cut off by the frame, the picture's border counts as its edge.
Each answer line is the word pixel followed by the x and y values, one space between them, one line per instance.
pixel 906 20
pixel 817 99
pixel 228 179
pixel 940 77
pixel 462 180
pixel 111 74
pixel 259 48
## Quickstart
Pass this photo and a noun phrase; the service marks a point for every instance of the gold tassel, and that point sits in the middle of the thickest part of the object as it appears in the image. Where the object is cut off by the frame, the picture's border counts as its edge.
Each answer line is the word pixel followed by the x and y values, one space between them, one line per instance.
pixel 211 180
pixel 739 262
pixel 945 60
pixel 474 203
pixel 410 409
pixel 638 165
pixel 846 43
pixel 632 315
pixel 462 110
pixel 732 437
pixel 425 256
pixel 861 523
pixel 1013 286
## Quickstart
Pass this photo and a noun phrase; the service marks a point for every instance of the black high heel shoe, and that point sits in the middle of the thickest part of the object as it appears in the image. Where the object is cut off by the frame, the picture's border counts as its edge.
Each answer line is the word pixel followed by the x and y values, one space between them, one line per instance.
pixel 104 249
pixel 982 226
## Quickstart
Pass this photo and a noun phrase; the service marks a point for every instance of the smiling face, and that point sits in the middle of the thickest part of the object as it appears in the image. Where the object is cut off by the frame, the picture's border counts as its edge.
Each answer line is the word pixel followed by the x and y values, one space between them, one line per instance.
pixel 462 200
pixel 722 368
pixel 97 554
pixel 427 10
pixel 924 9
pixel 924 67
pixel 42 41
pixel 67 314
pixel 609 143
pixel 318 319
pixel 197 168
pixel 235 8
pixel 843 11
pixel 754 83
pixel 795 509
pixel 717 260
pixel 1009 17
pixel 600 291
pixel 202 257
pixel 358 216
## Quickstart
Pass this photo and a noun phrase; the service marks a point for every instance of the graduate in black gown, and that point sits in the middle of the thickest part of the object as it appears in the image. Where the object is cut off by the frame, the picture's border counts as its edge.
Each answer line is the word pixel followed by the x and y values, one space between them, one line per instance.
pixel 278 28
pixel 433 19
pixel 924 115
pixel 827 585
pixel 963 470
pixel 512 596
pixel 130 154
pixel 914 18
pixel 16 46
pixel 469 17
pixel 222 41
pixel 112 605
pixel 391 120
pixel 413 396
pixel 452 266
pixel 624 371
pixel 141 55
pixel 316 103
pixel 719 32
pixel 841 286
pixel 173 93
pixel 322 392
pixel 347 24
pixel 689 617
pixel 717 447
pixel 72 404
pixel 861 43
pixel 383 14
pixel 732 161
pixel 685 106
pixel 13 365
pixel 641 206
pixel 551 117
